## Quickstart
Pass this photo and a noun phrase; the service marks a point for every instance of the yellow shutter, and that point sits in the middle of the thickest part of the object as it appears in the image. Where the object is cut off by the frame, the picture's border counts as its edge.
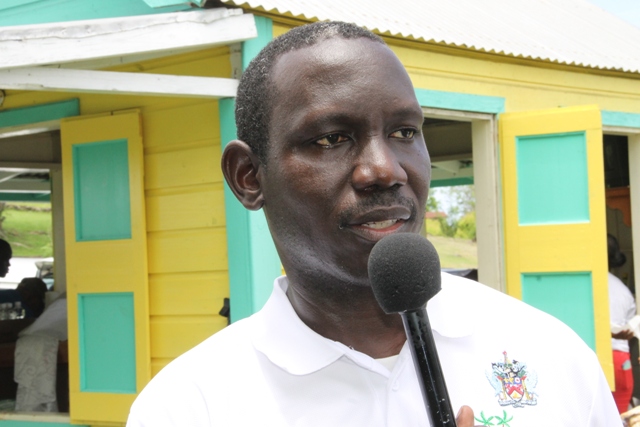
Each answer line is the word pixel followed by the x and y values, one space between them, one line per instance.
pixel 554 216
pixel 106 252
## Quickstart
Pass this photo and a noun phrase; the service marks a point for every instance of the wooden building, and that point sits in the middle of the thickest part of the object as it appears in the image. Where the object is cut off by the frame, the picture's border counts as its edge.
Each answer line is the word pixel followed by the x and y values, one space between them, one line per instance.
pixel 127 105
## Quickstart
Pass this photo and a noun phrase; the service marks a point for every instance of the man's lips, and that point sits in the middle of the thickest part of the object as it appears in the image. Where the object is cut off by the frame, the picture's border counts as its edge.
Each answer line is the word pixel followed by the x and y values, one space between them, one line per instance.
pixel 377 224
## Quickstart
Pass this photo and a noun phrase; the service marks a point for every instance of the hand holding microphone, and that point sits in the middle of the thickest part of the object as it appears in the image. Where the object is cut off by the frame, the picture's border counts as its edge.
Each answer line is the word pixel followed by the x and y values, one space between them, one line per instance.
pixel 404 270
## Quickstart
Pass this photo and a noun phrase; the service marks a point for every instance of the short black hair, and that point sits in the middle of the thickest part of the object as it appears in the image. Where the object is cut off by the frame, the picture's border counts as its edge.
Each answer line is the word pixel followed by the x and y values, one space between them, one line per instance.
pixel 616 258
pixel 255 93
pixel 5 250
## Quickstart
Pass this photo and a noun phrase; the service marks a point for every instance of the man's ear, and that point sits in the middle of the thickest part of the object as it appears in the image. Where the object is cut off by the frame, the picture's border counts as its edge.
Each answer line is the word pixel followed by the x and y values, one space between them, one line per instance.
pixel 240 167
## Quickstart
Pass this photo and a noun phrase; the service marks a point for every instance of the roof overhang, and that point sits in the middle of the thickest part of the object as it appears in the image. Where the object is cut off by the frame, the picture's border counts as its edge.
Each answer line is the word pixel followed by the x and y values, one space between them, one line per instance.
pixel 65 56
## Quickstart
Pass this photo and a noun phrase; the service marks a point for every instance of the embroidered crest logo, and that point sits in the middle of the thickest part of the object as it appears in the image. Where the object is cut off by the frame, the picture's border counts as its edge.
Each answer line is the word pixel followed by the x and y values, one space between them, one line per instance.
pixel 513 383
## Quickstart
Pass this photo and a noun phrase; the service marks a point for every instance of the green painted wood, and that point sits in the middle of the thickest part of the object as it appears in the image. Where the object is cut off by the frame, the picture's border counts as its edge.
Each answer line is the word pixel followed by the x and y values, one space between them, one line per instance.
pixel 107 342
pixel 253 259
pixel 567 296
pixel 552 179
pixel 620 119
pixel 39 113
pixel 8 4
pixel 48 11
pixel 25 197
pixel 460 101
pixel 14 423
pixel 252 47
pixel 101 184
pixel 166 3
pixel 451 182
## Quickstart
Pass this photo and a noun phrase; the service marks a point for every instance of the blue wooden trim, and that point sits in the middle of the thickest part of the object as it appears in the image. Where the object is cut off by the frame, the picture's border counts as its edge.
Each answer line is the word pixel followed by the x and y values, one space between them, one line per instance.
pixel 101 195
pixel 467 180
pixel 15 423
pixel 252 47
pixel 166 3
pixel 567 296
pixel 8 4
pixel 107 344
pixel 617 118
pixel 253 259
pixel 25 197
pixel 460 101
pixel 39 113
pixel 35 12
pixel 552 172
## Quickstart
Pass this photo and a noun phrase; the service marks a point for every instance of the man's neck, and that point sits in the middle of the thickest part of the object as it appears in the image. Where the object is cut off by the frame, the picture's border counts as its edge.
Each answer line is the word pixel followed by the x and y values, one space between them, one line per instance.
pixel 348 314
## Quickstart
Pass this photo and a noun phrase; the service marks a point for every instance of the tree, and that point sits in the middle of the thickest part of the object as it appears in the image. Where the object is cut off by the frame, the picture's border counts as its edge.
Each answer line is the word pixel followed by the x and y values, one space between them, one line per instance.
pixel 3 235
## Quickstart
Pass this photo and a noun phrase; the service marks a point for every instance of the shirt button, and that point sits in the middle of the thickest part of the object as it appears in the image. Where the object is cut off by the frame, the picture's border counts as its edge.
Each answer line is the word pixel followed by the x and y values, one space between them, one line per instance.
pixel 395 386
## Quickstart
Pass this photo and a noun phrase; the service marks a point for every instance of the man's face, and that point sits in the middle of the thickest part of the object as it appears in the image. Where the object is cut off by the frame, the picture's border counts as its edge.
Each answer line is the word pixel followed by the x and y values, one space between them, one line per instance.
pixel 347 162
pixel 4 265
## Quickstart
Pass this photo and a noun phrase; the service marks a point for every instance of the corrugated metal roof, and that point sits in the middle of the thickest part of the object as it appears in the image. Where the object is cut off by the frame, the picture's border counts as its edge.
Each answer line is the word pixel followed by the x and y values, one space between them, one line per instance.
pixel 572 32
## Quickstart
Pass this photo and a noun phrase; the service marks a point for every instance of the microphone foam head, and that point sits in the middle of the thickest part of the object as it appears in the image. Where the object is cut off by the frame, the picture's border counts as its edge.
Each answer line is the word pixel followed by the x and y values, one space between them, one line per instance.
pixel 404 271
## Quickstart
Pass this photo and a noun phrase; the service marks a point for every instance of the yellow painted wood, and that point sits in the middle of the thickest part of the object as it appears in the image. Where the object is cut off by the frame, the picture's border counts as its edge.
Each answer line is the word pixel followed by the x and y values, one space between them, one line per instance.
pixel 158 364
pixel 559 248
pixel 196 122
pixel 168 337
pixel 188 250
pixel 182 167
pixel 187 294
pixel 106 266
pixel 114 408
pixel 186 208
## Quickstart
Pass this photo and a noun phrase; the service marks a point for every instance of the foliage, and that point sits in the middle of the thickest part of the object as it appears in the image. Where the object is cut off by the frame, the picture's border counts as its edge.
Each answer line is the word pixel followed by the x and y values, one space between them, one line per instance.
pixel 2 218
pixel 460 202
pixel 466 227
pixel 434 228
pixel 28 230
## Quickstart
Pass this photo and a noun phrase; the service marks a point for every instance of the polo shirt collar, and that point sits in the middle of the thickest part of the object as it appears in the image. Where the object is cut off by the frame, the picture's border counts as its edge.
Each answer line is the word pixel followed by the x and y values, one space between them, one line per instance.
pixel 290 344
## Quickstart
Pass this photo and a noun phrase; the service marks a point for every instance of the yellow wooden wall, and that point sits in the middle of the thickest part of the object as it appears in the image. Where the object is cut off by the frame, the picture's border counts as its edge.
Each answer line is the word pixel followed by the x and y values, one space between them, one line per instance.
pixel 184 201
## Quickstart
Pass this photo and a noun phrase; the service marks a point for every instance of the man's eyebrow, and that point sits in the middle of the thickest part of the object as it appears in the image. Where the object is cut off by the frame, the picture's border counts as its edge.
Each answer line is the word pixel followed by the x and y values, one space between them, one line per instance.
pixel 319 118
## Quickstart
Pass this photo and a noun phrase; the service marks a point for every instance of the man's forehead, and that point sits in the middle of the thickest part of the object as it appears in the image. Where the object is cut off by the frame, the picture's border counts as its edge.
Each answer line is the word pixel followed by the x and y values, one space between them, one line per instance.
pixel 333 52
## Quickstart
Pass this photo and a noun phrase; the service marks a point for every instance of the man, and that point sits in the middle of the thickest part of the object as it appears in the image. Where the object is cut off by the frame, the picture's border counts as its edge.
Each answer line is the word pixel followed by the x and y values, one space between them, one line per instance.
pixel 330 146
pixel 5 257
pixel 622 308
pixel 29 292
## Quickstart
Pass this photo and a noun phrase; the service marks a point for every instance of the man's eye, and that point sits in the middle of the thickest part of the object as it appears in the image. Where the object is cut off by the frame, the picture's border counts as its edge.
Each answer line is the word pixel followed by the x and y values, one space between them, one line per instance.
pixel 331 140
pixel 403 133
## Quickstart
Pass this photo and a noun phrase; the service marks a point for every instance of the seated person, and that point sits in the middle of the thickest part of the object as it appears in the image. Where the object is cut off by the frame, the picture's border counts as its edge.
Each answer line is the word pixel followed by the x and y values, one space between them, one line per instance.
pixel 29 293
pixel 5 256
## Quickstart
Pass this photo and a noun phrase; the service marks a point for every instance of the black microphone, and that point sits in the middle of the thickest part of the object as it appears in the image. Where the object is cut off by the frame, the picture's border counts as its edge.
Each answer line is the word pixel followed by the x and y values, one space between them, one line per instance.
pixel 404 270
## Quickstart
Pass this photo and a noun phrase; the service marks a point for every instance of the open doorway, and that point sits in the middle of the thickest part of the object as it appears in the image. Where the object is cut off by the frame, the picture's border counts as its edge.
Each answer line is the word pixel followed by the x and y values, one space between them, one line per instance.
pixel 463 150
pixel 622 182
pixel 33 345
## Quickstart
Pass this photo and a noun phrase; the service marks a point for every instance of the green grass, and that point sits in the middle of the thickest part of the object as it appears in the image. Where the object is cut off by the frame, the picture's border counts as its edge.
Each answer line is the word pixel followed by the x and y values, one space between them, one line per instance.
pixel 28 232
pixel 455 253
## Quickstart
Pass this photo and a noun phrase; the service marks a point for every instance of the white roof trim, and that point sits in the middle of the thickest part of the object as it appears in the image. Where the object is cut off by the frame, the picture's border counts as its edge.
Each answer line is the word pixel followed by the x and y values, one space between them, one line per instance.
pixel 110 82
pixel 38 57
pixel 65 42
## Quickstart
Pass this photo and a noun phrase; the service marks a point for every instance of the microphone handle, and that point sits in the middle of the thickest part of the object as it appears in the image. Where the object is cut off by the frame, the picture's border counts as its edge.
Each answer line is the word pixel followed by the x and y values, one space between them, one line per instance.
pixel 427 364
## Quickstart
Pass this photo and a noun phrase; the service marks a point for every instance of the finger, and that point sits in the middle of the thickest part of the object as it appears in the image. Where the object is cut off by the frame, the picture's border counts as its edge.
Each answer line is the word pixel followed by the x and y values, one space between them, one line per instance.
pixel 465 417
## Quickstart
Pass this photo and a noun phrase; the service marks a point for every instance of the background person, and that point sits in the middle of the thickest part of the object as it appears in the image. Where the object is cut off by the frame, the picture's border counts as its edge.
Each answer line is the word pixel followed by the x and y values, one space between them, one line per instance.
pixel 622 308
pixel 5 257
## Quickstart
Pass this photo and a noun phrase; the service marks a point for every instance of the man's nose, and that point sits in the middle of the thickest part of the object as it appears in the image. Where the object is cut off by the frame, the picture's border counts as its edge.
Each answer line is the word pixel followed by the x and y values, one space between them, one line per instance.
pixel 378 166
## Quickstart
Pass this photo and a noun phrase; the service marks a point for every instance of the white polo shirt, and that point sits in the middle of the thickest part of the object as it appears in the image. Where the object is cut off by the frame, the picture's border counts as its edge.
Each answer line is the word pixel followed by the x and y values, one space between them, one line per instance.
pixel 513 364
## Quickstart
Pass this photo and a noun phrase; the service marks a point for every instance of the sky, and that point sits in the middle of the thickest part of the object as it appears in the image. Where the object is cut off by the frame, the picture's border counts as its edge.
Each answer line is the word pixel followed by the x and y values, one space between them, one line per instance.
pixel 629 10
